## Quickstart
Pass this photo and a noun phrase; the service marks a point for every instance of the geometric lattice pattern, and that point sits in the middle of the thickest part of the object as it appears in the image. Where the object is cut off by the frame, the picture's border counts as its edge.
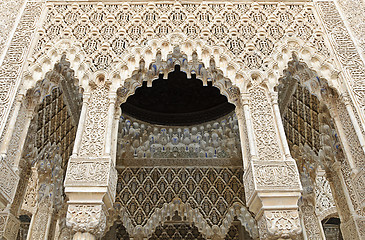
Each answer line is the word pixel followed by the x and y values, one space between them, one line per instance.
pixel 55 124
pixel 301 121
pixel 237 232
pixel 143 21
pixel 211 190
pixel 176 231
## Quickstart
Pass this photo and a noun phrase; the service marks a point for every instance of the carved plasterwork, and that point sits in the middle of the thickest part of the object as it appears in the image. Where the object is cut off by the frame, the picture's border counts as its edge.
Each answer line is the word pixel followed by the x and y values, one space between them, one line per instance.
pixel 276 175
pixel 266 137
pixel 312 224
pixel 344 47
pixel 217 139
pixel 284 223
pixel 40 220
pixel 353 13
pixel 93 136
pixel 9 11
pixel 8 181
pixel 9 226
pixel 213 193
pixel 130 33
pixel 11 67
pixel 325 204
pixel 191 215
pixel 86 218
pixel 30 197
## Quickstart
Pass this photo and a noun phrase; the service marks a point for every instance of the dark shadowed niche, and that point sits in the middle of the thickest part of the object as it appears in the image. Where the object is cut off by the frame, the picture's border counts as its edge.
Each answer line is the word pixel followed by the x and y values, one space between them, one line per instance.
pixel 177 101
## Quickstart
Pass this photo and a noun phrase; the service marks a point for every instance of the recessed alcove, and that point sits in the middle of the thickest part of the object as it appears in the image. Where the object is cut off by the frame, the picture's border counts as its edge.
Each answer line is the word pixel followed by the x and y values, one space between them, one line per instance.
pixel 177 101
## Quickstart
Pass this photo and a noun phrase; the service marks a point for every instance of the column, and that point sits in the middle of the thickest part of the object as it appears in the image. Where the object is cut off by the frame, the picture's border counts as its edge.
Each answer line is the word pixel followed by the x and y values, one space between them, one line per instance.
pixel 312 227
pixel 11 127
pixel 91 176
pixel 272 182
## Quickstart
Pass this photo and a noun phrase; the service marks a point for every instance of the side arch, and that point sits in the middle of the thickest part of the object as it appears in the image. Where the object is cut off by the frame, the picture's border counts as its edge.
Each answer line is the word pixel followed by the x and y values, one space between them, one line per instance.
pixel 191 216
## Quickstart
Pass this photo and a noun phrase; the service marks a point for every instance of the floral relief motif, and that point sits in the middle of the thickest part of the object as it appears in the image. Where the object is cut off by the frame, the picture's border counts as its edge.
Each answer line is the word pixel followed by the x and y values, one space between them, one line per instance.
pixel 11 67
pixel 344 46
pixel 325 204
pixel 263 125
pixel 279 175
pixel 86 218
pixel 93 137
pixel 283 223
pixel 311 224
pixel 88 172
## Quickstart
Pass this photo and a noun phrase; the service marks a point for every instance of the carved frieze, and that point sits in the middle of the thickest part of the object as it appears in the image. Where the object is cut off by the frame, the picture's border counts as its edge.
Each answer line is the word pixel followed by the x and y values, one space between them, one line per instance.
pixel 344 46
pixel 88 172
pixel 276 175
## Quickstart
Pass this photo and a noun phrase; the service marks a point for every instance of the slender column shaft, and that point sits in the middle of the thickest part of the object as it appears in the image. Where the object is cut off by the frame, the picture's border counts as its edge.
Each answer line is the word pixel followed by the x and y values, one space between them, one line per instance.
pixel 28 119
pixel 80 127
pixel 9 132
pixel 109 131
pixel 250 133
pixel 83 236
pixel 241 125
pixel 279 122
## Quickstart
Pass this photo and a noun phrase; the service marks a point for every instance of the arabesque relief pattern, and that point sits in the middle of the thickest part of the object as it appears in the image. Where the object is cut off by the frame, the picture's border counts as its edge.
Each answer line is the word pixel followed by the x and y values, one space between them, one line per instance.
pixel 353 12
pixel 10 9
pixel 11 67
pixel 345 48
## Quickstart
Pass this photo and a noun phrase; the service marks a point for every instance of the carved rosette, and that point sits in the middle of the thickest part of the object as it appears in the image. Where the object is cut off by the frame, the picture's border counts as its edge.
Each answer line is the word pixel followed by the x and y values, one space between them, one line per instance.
pixel 86 218
pixel 283 223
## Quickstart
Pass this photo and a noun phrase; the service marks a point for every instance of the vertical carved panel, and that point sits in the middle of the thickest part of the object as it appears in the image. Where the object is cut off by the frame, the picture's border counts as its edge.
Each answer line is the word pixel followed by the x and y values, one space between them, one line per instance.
pixel 10 70
pixel 9 11
pixel 344 47
pixel 93 137
pixel 264 125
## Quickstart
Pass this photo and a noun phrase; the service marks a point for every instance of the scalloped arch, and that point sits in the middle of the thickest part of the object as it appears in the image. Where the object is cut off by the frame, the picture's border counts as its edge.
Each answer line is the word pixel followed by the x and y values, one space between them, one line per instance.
pixel 192 216
pixel 40 67
pixel 292 47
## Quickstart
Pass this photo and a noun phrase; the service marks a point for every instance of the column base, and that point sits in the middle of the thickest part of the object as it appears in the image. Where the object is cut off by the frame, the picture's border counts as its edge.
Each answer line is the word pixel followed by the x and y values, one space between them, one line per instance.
pixel 83 236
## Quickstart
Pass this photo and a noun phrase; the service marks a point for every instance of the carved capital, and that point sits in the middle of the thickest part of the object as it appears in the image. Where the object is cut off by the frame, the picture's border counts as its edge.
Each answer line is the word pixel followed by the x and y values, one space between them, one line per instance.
pixel 92 172
pixel 272 185
pixel 279 224
pixel 86 218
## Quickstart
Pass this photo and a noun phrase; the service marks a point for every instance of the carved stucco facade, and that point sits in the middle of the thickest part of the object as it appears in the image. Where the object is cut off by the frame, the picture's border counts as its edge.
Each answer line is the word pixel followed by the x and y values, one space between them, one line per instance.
pixel 65 67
